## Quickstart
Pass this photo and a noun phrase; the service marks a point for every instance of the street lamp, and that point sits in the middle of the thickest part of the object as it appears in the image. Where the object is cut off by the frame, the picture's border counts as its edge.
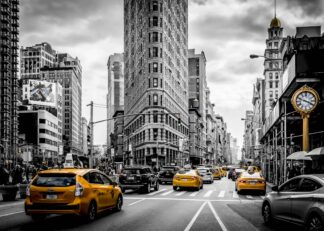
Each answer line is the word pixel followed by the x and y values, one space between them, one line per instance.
pixel 254 56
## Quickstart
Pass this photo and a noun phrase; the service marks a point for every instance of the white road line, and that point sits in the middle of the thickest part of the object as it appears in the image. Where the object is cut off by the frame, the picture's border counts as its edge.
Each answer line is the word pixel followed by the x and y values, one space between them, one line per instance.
pixel 235 195
pixel 153 193
pixel 9 214
pixel 193 194
pixel 12 204
pixel 207 194
pixel 188 199
pixel 221 194
pixel 217 217
pixel 136 202
pixel 195 217
pixel 166 193
pixel 249 197
pixel 180 193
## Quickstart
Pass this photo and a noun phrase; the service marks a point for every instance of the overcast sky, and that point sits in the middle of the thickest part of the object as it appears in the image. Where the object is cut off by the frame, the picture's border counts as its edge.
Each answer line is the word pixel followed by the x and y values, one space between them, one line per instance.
pixel 228 31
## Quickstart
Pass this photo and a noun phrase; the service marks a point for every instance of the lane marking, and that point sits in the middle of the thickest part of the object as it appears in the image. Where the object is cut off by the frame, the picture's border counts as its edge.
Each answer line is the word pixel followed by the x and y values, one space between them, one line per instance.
pixel 217 217
pixel 189 199
pixel 167 193
pixel 12 204
pixel 136 202
pixel 221 194
pixel 235 195
pixel 180 193
pixel 207 194
pixel 9 214
pixel 249 197
pixel 195 217
pixel 153 193
pixel 193 194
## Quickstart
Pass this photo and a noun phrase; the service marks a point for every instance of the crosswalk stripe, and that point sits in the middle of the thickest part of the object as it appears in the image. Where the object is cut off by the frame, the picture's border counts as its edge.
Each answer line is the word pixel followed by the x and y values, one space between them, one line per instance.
pixel 221 194
pixel 249 197
pixel 153 193
pixel 208 193
pixel 180 193
pixel 167 193
pixel 235 195
pixel 193 194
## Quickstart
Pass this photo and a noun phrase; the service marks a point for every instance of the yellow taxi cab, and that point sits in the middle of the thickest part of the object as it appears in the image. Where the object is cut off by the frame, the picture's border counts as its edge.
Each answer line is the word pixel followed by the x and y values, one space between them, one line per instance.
pixel 83 192
pixel 187 179
pixel 224 171
pixel 249 180
pixel 217 173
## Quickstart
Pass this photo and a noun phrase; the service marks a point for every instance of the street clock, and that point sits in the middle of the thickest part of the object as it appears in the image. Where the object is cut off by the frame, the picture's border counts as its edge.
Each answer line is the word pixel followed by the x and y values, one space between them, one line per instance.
pixel 305 100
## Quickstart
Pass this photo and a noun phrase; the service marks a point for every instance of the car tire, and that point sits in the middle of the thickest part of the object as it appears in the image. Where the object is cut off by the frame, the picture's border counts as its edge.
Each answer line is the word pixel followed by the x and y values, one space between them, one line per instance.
pixel 123 190
pixel 239 191
pixel 38 217
pixel 156 187
pixel 147 189
pixel 314 222
pixel 175 188
pixel 267 215
pixel 92 211
pixel 119 204
pixel 201 187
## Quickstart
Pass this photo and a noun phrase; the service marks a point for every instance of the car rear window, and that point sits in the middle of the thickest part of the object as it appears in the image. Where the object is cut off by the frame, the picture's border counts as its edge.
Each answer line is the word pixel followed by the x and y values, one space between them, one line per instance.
pixel 249 175
pixel 134 171
pixel 202 170
pixel 54 180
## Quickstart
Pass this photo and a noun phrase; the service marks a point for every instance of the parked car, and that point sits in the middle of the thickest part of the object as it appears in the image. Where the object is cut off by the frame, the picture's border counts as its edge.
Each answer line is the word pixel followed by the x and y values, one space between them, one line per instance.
pixel 230 173
pixel 236 173
pixel 187 179
pixel 138 177
pixel 84 192
pixel 206 175
pixel 167 173
pixel 300 200
pixel 250 181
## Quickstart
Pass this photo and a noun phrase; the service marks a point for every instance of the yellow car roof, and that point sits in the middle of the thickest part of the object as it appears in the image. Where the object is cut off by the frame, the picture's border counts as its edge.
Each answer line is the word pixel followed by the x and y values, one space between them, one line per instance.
pixel 77 171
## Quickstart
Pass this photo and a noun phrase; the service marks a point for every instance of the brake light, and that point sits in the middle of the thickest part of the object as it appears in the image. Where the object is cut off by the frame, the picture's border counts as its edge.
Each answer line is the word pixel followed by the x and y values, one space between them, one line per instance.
pixel 242 181
pixel 177 178
pixel 78 189
pixel 28 190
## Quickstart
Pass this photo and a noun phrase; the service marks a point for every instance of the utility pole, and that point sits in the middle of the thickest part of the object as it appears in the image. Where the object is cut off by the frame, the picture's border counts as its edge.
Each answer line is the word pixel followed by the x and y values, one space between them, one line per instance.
pixel 91 133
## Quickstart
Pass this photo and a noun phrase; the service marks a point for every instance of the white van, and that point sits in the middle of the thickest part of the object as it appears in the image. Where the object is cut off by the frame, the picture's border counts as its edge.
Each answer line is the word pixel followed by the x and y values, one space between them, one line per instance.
pixel 68 163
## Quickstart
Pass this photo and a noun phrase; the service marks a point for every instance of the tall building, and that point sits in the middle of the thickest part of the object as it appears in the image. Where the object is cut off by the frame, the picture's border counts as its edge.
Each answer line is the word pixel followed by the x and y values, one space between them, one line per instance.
pixel 197 90
pixel 68 73
pixel 34 58
pixel 115 96
pixel 8 79
pixel 272 65
pixel 156 80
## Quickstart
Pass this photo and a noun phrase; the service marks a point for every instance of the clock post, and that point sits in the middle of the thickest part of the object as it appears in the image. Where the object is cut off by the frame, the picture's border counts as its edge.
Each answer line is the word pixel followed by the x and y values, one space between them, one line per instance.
pixel 304 101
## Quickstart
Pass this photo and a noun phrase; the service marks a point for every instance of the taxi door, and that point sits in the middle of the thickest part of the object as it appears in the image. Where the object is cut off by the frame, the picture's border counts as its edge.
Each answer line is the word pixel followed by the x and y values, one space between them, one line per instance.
pixel 110 197
pixel 98 189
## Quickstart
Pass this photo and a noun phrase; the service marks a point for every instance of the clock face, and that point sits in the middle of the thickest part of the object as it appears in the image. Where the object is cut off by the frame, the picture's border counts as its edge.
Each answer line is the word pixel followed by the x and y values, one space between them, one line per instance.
pixel 306 101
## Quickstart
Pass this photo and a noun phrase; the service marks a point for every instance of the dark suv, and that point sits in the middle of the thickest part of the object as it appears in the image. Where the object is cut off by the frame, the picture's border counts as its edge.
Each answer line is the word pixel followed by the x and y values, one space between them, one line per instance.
pixel 166 174
pixel 138 178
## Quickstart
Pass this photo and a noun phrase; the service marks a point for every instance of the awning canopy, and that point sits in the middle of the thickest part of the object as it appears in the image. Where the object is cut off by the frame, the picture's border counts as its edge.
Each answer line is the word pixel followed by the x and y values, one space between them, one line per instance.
pixel 302 155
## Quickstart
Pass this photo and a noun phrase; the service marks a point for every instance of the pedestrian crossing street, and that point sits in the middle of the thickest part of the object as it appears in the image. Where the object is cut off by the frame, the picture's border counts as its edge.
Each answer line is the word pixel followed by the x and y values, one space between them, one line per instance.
pixel 201 194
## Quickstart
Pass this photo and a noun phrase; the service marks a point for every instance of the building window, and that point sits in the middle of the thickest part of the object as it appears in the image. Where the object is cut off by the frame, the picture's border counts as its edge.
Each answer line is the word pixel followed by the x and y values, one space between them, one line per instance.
pixel 155 37
pixel 42 121
pixel 270 94
pixel 155 21
pixel 155 99
pixel 155 52
pixel 277 84
pixel 270 84
pixel 270 75
pixel 277 75
pixel 155 67
pixel 155 6
pixel 276 44
pixel 155 134
pixel 155 117
pixel 155 82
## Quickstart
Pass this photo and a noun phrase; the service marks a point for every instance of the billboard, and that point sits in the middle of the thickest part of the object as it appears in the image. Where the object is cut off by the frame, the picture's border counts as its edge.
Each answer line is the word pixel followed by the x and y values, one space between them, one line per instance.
pixel 41 93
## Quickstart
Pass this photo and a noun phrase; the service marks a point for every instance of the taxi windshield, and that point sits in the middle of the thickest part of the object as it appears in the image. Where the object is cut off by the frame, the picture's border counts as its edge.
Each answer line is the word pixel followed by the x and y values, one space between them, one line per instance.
pixel 54 180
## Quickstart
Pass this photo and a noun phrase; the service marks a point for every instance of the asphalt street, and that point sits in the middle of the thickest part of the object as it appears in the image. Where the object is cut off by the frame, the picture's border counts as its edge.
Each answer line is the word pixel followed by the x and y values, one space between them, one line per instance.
pixel 216 207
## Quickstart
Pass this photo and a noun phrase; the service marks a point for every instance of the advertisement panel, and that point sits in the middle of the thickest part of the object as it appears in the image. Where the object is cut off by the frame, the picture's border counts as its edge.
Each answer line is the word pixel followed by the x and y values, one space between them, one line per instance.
pixel 42 93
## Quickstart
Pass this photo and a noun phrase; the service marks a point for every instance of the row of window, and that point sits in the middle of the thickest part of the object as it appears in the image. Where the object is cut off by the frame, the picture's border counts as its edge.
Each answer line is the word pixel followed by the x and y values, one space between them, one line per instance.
pixel 273 84
pixel 49 123
pixel 48 132
pixel 47 141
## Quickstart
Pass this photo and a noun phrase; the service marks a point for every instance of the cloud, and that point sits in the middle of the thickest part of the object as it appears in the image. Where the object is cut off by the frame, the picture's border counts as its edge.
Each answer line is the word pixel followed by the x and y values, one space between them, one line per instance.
pixel 309 8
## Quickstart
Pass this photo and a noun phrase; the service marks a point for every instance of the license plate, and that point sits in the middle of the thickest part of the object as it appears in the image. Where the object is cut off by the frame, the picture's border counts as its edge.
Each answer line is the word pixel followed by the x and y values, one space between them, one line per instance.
pixel 184 179
pixel 130 178
pixel 252 182
pixel 51 196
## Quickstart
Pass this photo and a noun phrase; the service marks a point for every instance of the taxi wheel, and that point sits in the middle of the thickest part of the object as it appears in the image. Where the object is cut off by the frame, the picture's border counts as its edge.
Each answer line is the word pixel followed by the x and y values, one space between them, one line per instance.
pixel 314 223
pixel 119 204
pixel 266 212
pixel 156 187
pixel 175 188
pixel 92 211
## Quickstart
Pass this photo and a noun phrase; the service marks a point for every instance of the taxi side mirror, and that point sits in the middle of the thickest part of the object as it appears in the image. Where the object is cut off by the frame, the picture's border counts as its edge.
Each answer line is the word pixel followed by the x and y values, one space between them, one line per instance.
pixel 275 188
pixel 114 184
